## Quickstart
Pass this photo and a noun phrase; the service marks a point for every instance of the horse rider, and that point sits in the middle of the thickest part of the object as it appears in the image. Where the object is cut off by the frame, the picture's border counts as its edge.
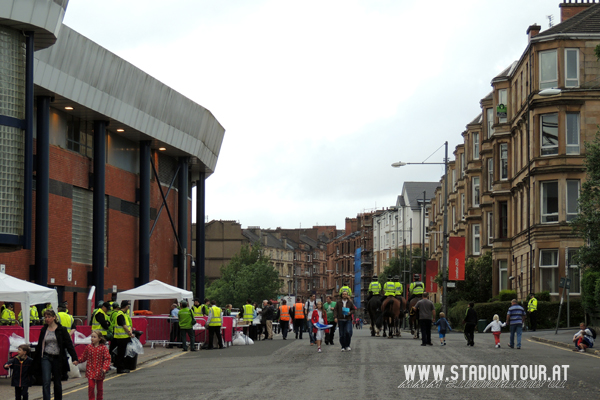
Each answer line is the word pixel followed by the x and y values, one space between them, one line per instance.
pixel 389 289
pixel 374 288
pixel 399 287
pixel 416 290
pixel 346 288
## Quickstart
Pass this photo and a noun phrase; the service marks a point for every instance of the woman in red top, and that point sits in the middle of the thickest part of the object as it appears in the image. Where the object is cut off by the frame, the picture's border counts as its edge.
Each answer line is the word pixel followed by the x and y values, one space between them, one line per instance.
pixel 319 315
pixel 98 364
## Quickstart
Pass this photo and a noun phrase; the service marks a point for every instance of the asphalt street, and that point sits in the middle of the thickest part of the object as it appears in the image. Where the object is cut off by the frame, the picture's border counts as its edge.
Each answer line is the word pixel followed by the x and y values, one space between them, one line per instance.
pixel 375 368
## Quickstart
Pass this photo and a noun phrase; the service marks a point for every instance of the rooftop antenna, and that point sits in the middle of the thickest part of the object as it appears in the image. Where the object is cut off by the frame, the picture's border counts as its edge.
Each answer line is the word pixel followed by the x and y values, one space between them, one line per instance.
pixel 550 20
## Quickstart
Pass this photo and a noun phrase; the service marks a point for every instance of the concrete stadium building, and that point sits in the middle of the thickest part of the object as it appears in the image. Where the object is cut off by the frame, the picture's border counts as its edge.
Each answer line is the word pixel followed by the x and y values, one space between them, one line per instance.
pixel 97 162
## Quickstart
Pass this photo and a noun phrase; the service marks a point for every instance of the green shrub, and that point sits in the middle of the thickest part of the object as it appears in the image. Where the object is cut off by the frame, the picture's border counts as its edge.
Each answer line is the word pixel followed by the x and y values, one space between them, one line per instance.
pixel 507 295
pixel 546 317
pixel 543 296
pixel 588 290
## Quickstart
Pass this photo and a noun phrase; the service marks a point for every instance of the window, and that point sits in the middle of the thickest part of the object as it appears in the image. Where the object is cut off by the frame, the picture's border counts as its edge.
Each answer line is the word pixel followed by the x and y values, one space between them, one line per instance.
pixel 503 269
pixel 453 178
pixel 463 167
pixel 573 272
pixel 504 161
pixel 571 67
pixel 79 137
pixel 572 198
pixel 548 70
pixel 462 205
pixel 503 219
pixel 453 216
pixel 549 202
pixel 476 239
pixel 337 270
pixel 475 146
pixel 490 163
pixel 502 104
pixel 489 112
pixel 572 133
pixel 549 134
pixel 475 191
pixel 82 224
pixel 549 271
pixel 490 228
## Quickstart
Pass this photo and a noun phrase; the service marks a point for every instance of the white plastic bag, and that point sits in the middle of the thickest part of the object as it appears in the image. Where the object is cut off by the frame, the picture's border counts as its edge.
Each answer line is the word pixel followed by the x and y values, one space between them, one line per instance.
pixel 241 340
pixel 80 338
pixel 134 347
pixel 73 370
pixel 197 327
pixel 15 341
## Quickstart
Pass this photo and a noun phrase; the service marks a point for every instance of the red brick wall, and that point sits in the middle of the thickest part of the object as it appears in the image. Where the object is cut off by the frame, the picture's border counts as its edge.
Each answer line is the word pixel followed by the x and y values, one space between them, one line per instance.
pixel 123 244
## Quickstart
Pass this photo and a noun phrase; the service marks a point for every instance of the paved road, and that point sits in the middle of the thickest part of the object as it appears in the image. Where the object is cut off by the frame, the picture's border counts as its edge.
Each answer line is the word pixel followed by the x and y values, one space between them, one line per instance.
pixel 373 369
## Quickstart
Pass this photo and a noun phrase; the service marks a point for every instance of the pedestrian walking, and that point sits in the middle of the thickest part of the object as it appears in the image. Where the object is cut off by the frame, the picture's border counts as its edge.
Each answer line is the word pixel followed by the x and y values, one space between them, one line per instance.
pixel 426 316
pixel 309 307
pixel 496 325
pixel 443 327
pixel 283 315
pixel 298 318
pixel 319 316
pixel 343 314
pixel 98 365
pixel 515 318
pixel 470 322
pixel 21 366
pixel 532 311
pixel 329 306
pixel 51 356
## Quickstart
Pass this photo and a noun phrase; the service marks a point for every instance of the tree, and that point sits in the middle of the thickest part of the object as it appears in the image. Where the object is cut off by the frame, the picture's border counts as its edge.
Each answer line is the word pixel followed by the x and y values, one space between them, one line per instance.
pixel 249 275
pixel 477 286
pixel 587 222
pixel 402 263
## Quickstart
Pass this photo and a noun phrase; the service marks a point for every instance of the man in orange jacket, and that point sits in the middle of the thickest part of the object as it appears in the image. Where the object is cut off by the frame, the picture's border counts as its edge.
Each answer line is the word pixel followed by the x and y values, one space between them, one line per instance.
pixel 298 317
pixel 284 318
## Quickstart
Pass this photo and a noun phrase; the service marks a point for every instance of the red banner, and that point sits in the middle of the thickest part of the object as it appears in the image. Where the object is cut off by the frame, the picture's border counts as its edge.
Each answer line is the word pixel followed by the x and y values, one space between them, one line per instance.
pixel 456 264
pixel 432 271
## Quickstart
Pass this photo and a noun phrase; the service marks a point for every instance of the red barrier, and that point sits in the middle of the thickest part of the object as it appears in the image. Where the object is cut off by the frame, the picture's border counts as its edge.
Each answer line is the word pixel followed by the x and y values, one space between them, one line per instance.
pixel 141 324
pixel 4 353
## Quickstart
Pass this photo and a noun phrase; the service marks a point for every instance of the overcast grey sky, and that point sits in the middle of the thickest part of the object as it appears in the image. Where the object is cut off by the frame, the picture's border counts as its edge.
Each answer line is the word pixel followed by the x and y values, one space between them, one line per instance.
pixel 318 98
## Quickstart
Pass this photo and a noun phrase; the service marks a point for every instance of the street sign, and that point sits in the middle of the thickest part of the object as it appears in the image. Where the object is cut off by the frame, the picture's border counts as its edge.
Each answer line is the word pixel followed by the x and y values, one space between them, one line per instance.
pixel 562 283
pixel 451 284
pixel 568 284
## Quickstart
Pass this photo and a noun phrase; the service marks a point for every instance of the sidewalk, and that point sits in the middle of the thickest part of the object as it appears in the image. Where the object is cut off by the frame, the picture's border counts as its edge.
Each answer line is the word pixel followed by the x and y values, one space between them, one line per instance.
pixel 564 338
pixel 35 392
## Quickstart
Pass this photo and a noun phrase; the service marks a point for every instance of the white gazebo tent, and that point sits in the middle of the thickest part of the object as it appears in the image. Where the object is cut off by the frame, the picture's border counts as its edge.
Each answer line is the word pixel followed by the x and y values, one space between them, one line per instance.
pixel 155 290
pixel 19 291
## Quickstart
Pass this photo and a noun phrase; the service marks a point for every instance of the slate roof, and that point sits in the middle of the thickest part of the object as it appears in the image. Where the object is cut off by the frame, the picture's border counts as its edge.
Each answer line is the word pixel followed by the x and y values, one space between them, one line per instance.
pixel 478 119
pixel 587 21
pixel 414 191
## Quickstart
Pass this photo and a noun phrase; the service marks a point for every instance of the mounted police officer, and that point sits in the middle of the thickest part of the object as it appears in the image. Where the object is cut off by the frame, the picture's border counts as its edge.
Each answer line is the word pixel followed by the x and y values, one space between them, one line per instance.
pixel 416 288
pixel 374 288
pixel 389 289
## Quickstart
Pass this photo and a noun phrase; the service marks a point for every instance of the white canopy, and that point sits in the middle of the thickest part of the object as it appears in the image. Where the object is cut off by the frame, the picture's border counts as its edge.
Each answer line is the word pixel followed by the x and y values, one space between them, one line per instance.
pixel 154 290
pixel 19 291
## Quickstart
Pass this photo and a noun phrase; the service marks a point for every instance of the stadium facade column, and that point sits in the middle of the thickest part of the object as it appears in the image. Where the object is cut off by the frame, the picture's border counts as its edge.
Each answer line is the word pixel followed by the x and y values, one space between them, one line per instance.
pixel 99 199
pixel 42 190
pixel 182 223
pixel 200 234
pixel 144 219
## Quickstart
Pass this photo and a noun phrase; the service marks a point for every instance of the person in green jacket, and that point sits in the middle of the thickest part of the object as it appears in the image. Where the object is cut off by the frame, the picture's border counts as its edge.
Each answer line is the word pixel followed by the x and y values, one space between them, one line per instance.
pixel 328 307
pixel 186 322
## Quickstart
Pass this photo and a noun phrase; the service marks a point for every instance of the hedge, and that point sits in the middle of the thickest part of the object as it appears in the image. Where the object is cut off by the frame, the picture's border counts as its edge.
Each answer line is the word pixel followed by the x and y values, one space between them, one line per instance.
pixel 546 318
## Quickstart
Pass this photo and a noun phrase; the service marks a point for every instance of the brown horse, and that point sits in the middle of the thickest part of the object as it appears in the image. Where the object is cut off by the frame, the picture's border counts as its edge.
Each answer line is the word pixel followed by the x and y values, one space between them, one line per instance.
pixel 413 321
pixel 392 308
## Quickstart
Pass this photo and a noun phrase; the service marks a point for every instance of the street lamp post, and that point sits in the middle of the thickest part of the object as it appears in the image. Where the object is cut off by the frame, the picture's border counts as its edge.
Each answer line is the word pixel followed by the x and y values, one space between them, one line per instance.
pixel 445 238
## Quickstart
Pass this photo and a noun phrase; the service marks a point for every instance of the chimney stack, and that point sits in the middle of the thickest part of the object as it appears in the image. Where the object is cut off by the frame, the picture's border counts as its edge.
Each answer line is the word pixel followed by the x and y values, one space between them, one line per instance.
pixel 533 30
pixel 570 8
